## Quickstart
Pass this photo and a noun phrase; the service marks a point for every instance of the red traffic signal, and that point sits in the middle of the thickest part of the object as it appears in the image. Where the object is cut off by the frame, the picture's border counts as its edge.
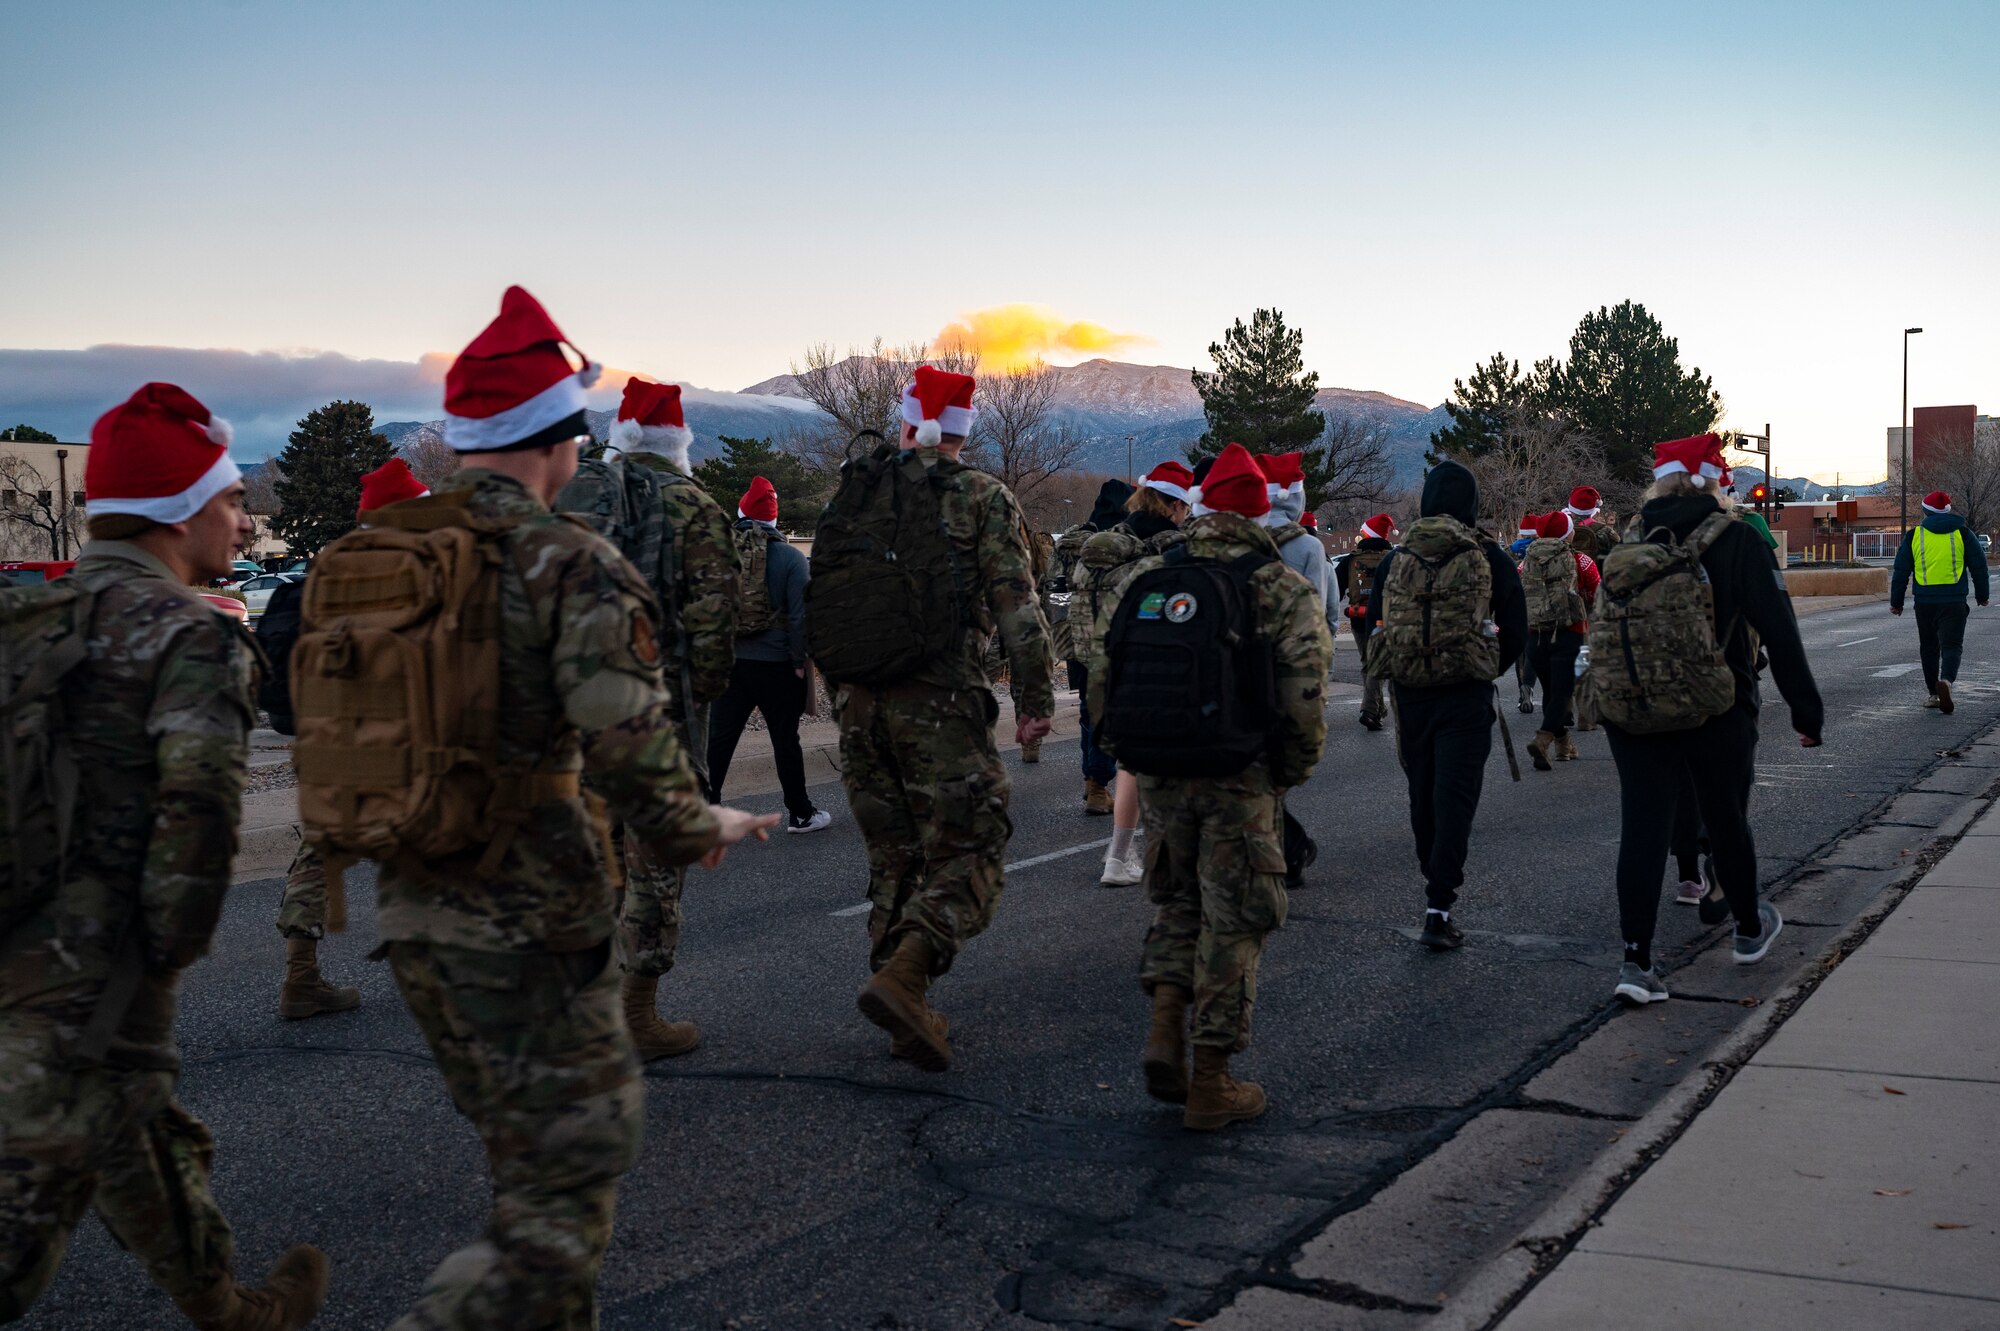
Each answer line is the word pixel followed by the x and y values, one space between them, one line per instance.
pixel 1757 494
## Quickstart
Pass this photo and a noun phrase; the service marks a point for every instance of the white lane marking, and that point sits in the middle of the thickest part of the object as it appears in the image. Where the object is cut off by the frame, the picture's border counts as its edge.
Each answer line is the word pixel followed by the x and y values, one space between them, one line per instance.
pixel 1857 642
pixel 1009 868
pixel 1890 672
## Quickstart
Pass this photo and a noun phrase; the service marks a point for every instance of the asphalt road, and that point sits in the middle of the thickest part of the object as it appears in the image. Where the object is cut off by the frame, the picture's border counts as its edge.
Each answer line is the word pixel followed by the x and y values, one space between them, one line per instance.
pixel 794 1176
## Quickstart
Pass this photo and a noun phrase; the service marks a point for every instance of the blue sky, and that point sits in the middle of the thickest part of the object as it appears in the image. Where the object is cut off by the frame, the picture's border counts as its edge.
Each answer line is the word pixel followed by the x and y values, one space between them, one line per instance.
pixel 698 192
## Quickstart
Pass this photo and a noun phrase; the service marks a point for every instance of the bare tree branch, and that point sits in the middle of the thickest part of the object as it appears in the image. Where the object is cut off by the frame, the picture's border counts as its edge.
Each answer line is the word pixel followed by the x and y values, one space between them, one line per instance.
pixel 1539 459
pixel 33 517
pixel 1964 466
pixel 1016 436
pixel 430 458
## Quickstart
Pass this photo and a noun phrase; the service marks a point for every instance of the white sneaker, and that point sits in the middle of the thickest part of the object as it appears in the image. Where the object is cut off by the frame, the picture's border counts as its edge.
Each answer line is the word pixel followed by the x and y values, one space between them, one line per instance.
pixel 1128 872
pixel 820 818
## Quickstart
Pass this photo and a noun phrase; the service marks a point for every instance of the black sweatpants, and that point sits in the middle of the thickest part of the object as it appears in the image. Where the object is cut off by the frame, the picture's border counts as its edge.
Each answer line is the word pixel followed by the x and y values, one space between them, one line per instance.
pixel 1941 640
pixel 1552 655
pixel 773 688
pixel 1444 736
pixel 1717 762
pixel 1690 842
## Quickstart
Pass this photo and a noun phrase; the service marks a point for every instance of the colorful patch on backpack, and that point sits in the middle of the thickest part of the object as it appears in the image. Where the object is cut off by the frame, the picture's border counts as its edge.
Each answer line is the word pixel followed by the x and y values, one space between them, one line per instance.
pixel 1181 607
pixel 1150 604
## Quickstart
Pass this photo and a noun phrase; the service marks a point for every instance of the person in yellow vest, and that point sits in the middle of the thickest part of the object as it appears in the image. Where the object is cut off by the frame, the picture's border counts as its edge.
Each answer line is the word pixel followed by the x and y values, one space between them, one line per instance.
pixel 1944 557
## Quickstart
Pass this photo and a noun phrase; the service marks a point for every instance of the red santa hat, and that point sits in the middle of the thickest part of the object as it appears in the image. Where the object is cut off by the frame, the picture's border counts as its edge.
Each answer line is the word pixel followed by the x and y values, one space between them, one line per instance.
pixel 159 455
pixel 1170 479
pixel 1378 527
pixel 1584 501
pixel 1235 484
pixel 759 502
pixel 1531 525
pixel 1283 472
pixel 514 380
pixel 938 403
pixel 1937 501
pixel 650 421
pixel 1310 521
pixel 1699 455
pixel 1556 526
pixel 390 483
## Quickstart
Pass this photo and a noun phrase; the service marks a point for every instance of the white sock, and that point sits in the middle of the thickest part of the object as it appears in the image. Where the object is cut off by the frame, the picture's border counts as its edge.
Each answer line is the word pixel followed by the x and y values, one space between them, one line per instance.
pixel 1444 915
pixel 1121 843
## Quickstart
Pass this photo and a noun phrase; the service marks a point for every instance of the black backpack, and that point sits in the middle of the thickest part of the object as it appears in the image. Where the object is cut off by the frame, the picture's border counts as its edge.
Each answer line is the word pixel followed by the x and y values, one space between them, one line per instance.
pixel 277 630
pixel 1192 685
pixel 886 596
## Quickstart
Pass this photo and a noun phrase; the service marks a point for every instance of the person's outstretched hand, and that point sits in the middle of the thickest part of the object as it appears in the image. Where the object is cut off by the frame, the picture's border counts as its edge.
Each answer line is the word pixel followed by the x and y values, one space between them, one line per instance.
pixel 733 825
pixel 1032 727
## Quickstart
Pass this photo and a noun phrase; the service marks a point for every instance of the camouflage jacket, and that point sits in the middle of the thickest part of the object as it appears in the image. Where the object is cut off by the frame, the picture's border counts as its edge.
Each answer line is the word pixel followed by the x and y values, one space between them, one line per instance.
pixel 1289 617
pixel 160 719
pixel 1108 561
pixel 704 641
pixel 990 539
pixel 580 686
pixel 1061 574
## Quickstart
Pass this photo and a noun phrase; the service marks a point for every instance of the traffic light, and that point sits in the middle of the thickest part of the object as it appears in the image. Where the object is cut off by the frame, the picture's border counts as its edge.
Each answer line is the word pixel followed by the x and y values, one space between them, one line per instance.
pixel 1758 494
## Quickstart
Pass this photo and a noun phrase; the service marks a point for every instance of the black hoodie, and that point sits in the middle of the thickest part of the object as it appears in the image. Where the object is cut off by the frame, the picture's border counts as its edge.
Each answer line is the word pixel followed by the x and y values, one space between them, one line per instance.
pixel 1747 590
pixel 1451 491
pixel 1110 508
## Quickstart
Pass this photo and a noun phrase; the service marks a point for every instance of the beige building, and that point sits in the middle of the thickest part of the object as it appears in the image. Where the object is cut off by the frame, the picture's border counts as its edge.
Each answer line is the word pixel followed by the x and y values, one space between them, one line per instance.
pixel 41 504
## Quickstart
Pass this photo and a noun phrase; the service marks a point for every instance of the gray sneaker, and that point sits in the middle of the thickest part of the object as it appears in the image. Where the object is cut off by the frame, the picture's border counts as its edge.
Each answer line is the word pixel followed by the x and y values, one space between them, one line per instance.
pixel 1639 987
pixel 1750 951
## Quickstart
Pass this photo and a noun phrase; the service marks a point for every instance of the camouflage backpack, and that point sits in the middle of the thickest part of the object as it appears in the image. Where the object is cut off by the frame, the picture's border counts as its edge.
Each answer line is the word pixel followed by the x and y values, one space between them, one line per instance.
pixel 1060 587
pixel 1594 539
pixel 754 613
pixel 887 596
pixel 1361 566
pixel 1548 576
pixel 1435 609
pixel 621 503
pixel 1105 557
pixel 1656 662
pixel 44 632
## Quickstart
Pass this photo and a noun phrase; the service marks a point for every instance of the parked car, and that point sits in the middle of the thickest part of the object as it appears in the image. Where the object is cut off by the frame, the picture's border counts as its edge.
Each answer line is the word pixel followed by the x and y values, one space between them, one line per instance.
pixel 1985 542
pixel 226 605
pixel 257 591
pixel 27 572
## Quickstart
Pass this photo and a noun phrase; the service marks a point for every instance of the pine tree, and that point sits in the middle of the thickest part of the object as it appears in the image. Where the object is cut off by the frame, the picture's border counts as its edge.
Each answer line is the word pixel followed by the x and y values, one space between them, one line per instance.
pixel 1479 408
pixel 28 434
pixel 1624 386
pixel 801 490
pixel 1260 395
pixel 321 471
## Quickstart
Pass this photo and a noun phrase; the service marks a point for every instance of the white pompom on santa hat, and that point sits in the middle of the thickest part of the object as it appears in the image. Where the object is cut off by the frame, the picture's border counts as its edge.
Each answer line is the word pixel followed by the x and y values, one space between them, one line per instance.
pixel 650 421
pixel 159 455
pixel 514 380
pixel 1698 455
pixel 938 403
pixel 1937 501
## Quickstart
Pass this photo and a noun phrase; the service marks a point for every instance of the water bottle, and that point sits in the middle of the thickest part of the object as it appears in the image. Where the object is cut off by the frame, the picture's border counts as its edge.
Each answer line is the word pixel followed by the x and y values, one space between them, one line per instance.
pixel 1582 660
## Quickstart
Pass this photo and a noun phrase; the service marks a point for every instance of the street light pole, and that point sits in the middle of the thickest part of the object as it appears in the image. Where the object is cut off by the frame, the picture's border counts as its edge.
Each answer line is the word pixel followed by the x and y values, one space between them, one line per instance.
pixel 1128 459
pixel 1903 507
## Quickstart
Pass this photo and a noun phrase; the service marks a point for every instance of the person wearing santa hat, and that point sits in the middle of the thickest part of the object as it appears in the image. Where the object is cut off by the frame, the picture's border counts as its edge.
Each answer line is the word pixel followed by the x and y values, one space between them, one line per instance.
pixel 698 586
pixel 1354 575
pixel 1591 537
pixel 1524 669
pixel 1214 900
pixel 1070 635
pixel 918 758
pixel 1559 582
pixel 503 953
pixel 1946 560
pixel 770 675
pixel 1717 760
pixel 158 701
pixel 1285 484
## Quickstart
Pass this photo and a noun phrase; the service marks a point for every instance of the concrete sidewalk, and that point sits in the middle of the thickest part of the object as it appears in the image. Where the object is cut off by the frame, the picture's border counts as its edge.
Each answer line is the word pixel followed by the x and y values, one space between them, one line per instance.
pixel 1848 1175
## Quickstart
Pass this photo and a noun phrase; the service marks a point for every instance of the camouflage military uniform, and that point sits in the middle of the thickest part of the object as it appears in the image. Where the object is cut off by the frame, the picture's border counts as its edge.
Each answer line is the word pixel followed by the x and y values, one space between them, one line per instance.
pixel 923 775
pixel 1215 865
pixel 302 908
pixel 508 974
pixel 161 734
pixel 697 655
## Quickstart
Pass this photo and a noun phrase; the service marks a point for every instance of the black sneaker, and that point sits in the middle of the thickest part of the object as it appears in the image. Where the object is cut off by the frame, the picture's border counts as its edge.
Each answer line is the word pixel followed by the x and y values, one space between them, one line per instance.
pixel 1440 934
pixel 1713 907
pixel 1370 722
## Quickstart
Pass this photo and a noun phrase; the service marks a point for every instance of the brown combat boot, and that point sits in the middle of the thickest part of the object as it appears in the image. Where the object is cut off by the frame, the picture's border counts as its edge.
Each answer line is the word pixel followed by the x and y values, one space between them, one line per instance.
pixel 1215 1099
pixel 1031 751
pixel 906 1047
pixel 1166 1045
pixel 1096 798
pixel 1538 749
pixel 306 992
pixel 652 1038
pixel 1566 750
pixel 893 999
pixel 289 1298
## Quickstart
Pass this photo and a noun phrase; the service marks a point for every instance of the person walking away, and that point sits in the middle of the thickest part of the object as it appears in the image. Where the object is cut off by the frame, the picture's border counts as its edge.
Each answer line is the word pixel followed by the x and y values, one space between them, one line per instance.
pixel 494 907
pixel 302 908
pixel 1151 525
pixel 1524 669
pixel 904 639
pixel 1356 580
pixel 1451 619
pixel 770 671
pixel 129 708
pixel 1042 547
pixel 1944 559
pixel 1285 484
pixel 1559 585
pixel 1100 771
pixel 1213 763
pixel 1592 539
pixel 1674 677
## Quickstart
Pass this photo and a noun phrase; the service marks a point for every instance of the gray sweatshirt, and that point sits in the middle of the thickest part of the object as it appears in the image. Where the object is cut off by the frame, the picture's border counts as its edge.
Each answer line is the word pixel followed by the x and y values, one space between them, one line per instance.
pixel 785 578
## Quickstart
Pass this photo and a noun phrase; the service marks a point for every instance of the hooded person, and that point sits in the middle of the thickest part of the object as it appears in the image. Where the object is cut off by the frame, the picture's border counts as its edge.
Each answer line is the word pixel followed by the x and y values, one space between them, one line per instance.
pixel 1946 561
pixel 1715 761
pixel 1285 486
pixel 1215 870
pixel 1560 585
pixel 1354 581
pixel 1072 634
pixel 1449 606
pixel 1524 670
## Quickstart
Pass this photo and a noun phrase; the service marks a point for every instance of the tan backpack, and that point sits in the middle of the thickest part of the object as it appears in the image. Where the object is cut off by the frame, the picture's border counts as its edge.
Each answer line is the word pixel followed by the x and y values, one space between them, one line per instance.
pixel 1548 579
pixel 396 690
pixel 1436 608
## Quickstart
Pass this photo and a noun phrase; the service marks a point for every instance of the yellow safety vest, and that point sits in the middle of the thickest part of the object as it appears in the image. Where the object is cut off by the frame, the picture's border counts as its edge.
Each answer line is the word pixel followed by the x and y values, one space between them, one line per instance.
pixel 1939 557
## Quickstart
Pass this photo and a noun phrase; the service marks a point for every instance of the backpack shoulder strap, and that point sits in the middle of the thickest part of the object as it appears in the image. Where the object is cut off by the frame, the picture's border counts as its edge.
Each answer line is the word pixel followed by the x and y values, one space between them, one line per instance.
pixel 1706 533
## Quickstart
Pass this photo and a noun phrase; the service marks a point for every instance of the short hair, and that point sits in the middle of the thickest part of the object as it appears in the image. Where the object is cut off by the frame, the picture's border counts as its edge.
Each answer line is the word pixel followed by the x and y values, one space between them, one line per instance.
pixel 118 526
pixel 1146 499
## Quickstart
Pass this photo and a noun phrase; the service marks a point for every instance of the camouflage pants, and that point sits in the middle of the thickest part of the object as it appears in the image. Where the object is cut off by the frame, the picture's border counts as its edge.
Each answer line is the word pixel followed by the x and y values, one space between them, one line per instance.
pixel 926 785
pixel 1215 870
pixel 73 1138
pixel 302 909
pixel 649 908
pixel 534 1051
